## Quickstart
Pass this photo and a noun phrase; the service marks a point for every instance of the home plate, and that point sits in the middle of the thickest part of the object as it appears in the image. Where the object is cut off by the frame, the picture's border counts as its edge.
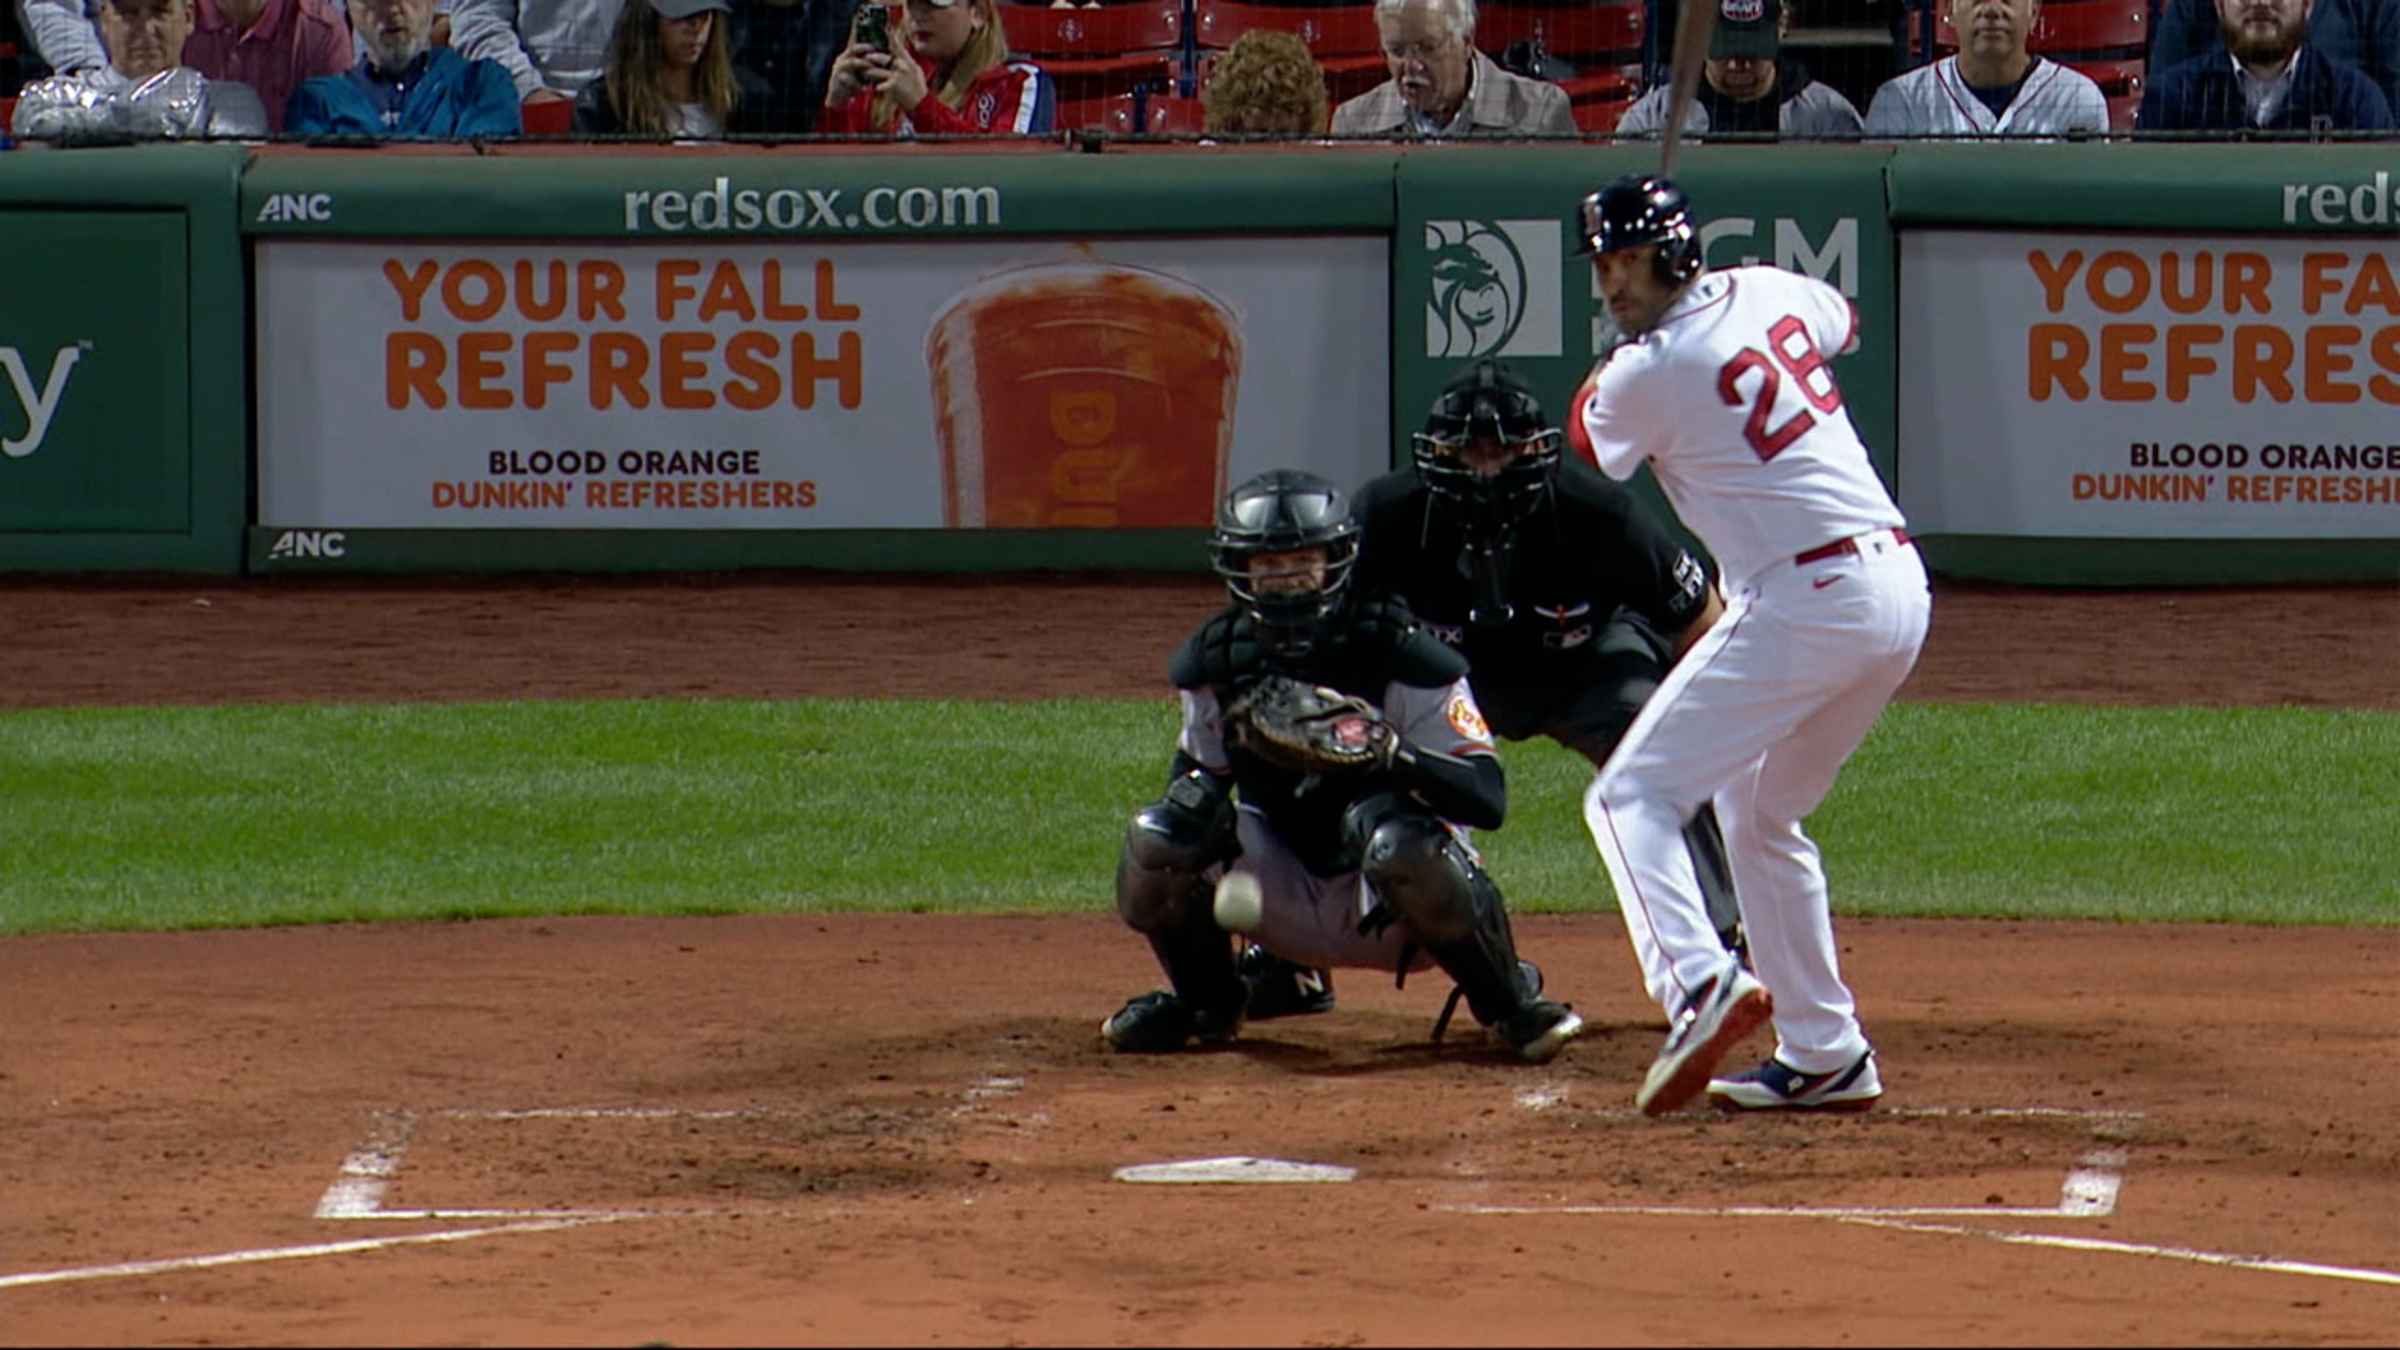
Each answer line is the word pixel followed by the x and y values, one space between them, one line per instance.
pixel 1206 1171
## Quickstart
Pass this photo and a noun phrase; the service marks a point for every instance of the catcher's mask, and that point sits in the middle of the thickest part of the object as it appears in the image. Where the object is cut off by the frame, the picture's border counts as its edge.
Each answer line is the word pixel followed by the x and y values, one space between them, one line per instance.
pixel 1487 447
pixel 1639 209
pixel 1286 511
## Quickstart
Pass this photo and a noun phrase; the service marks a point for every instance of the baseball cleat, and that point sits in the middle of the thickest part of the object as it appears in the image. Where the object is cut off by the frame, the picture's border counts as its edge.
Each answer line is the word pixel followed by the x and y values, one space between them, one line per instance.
pixel 1732 1006
pixel 1280 988
pixel 1160 1023
pixel 1540 1030
pixel 1777 1086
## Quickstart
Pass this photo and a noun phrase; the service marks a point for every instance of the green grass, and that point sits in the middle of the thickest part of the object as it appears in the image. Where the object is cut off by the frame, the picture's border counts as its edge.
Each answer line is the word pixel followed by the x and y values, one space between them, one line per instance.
pixel 175 818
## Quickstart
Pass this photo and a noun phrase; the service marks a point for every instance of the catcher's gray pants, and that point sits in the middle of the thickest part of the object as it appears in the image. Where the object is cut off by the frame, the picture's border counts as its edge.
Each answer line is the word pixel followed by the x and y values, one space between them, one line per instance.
pixel 1314 920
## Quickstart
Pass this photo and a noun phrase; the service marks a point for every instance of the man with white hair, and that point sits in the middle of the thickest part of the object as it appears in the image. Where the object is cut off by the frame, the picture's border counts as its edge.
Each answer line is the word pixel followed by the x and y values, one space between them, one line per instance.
pixel 405 86
pixel 1992 87
pixel 1441 86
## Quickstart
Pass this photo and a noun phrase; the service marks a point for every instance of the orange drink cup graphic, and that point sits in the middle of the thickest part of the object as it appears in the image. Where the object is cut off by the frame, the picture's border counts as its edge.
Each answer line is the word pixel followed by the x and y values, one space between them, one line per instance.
pixel 1083 394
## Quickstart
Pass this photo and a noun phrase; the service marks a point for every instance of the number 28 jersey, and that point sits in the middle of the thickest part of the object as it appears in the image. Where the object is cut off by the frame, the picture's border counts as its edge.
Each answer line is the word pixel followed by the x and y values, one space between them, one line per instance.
pixel 1732 401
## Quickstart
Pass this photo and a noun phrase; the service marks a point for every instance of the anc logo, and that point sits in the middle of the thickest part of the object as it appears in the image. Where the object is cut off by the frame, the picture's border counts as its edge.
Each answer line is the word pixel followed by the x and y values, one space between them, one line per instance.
pixel 1495 288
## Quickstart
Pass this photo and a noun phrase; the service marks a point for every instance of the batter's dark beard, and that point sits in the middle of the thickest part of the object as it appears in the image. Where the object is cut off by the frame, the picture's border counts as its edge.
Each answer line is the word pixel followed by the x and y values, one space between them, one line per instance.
pixel 2272 51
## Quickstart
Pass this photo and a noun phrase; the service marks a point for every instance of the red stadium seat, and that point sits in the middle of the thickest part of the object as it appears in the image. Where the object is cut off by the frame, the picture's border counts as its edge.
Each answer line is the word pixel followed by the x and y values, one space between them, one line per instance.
pixel 1168 115
pixel 552 117
pixel 1343 38
pixel 2073 26
pixel 2122 109
pixel 1609 31
pixel 2114 75
pixel 1107 50
pixel 1599 117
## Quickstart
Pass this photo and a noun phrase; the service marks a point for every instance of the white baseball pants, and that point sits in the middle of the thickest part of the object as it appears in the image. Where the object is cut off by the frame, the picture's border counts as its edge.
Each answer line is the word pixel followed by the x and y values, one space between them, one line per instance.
pixel 1760 716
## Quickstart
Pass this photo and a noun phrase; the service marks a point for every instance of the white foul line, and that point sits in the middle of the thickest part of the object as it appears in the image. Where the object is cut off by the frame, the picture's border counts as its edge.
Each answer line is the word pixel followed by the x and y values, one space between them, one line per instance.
pixel 2270 1263
pixel 2090 1192
pixel 283 1253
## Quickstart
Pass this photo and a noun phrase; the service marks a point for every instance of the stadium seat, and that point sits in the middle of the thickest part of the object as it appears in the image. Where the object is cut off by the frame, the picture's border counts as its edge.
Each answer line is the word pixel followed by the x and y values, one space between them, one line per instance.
pixel 1168 115
pixel 2072 26
pixel 2122 108
pixel 1342 37
pixel 1599 117
pixel 1100 53
pixel 1608 32
pixel 554 117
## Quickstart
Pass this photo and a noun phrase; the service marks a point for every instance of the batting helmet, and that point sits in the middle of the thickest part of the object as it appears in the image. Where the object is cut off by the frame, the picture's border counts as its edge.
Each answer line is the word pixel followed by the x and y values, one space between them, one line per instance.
pixel 1642 209
pixel 1281 511
pixel 1488 403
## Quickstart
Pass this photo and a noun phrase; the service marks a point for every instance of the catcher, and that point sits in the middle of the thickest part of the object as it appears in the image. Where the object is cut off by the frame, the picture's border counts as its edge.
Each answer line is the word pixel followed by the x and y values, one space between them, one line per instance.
pixel 1331 753
pixel 1567 597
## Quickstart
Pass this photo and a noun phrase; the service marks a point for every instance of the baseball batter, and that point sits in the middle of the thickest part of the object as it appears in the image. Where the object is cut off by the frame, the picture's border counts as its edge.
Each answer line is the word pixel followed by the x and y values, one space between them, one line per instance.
pixel 1353 852
pixel 1724 389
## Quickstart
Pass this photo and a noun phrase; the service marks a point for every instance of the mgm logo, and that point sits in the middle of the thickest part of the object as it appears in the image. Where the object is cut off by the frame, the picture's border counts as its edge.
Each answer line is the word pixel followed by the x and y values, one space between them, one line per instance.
pixel 1495 288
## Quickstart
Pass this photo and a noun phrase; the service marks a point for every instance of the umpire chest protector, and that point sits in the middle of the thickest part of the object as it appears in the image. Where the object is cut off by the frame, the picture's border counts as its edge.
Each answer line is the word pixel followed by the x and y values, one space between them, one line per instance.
pixel 1565 571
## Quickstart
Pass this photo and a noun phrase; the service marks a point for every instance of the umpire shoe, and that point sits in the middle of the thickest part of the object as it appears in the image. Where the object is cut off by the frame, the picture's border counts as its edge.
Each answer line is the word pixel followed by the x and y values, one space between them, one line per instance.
pixel 1732 1006
pixel 1539 1030
pixel 1280 988
pixel 1159 1023
pixel 1777 1086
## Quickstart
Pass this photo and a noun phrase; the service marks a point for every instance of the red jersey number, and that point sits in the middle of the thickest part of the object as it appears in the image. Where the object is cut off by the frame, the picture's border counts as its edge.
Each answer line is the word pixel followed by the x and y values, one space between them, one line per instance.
pixel 1788 347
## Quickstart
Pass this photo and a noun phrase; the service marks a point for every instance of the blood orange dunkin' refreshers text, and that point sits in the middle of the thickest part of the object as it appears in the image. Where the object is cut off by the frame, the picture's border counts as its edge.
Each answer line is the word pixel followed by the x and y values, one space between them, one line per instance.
pixel 1083 394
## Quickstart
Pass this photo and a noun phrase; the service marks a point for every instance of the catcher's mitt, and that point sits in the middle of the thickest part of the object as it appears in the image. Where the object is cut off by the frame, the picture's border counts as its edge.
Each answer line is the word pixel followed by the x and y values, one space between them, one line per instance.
pixel 1309 728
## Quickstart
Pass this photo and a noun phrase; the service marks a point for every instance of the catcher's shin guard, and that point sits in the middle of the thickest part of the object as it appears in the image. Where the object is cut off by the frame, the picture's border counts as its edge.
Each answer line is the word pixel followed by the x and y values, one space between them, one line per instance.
pixel 1453 910
pixel 1163 894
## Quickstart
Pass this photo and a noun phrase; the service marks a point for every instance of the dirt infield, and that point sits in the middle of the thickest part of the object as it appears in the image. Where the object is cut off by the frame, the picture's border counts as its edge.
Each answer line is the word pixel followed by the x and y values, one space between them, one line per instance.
pixel 901 1130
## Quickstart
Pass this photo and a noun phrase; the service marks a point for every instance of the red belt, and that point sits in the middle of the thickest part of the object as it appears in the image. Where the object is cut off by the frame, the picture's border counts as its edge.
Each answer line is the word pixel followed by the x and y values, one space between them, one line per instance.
pixel 1839 547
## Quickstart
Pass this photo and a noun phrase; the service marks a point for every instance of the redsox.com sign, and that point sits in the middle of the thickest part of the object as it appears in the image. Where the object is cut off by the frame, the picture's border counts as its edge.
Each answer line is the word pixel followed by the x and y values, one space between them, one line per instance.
pixel 799 384
pixel 2164 387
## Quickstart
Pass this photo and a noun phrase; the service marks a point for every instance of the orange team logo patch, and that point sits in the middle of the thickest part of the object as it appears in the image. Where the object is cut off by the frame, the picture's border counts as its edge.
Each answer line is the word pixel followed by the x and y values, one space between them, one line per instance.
pixel 1466 719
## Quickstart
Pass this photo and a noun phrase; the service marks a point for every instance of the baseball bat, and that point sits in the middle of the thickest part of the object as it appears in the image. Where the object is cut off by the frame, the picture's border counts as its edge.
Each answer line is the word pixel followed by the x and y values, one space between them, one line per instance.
pixel 1692 28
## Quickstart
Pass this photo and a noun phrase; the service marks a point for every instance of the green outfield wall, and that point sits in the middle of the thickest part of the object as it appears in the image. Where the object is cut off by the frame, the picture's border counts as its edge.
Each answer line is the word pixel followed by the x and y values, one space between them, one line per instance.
pixel 2078 364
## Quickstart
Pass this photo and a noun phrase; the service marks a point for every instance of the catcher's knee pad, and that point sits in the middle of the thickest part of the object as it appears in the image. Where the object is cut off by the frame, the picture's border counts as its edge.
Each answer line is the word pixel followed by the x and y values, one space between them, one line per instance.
pixel 1423 872
pixel 1169 845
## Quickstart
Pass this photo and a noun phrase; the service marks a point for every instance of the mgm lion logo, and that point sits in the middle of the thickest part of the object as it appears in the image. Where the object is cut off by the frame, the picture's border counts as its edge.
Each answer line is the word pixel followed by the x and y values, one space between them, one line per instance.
pixel 1495 289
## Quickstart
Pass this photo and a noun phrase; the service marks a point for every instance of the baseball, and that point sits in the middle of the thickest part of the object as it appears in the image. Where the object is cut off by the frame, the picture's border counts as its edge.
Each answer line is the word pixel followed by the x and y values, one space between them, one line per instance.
pixel 1238 903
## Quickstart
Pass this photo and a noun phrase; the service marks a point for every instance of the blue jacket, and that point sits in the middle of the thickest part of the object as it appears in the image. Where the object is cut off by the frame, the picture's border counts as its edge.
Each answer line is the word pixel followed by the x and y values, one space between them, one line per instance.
pixel 441 96
pixel 2205 94
pixel 2361 33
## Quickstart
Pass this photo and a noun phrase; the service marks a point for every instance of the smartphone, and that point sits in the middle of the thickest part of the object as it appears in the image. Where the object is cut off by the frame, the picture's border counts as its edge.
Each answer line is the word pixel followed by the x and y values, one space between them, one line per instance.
pixel 873 26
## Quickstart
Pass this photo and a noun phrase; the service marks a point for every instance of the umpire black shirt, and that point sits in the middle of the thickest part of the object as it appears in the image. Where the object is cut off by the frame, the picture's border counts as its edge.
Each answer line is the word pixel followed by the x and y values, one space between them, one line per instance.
pixel 1589 549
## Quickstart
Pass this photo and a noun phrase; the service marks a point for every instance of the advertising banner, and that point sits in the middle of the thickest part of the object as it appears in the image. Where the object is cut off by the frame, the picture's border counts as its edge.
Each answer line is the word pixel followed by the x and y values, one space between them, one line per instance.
pixel 95 413
pixel 2150 386
pixel 795 385
pixel 1485 262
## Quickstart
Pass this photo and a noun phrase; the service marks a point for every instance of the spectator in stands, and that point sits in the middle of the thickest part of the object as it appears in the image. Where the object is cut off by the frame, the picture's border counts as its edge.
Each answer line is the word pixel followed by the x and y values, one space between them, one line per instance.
pixel 64 34
pixel 951 76
pixel 2364 34
pixel 670 73
pixel 2267 77
pixel 550 48
pixel 788 48
pixel 270 45
pixel 1993 86
pixel 143 92
pixel 1442 86
pixel 1747 84
pixel 1265 84
pixel 405 87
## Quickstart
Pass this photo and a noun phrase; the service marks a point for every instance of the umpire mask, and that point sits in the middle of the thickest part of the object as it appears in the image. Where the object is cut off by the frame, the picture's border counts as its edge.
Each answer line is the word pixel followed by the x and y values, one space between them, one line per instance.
pixel 1487 450
pixel 1285 543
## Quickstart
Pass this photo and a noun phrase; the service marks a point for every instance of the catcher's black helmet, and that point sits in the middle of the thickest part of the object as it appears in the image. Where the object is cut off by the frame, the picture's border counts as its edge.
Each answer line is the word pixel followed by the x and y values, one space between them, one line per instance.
pixel 1642 209
pixel 1277 512
pixel 1488 403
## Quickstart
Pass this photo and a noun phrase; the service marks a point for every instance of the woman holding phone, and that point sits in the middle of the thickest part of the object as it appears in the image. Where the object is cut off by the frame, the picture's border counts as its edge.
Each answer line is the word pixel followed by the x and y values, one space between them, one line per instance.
pixel 942 71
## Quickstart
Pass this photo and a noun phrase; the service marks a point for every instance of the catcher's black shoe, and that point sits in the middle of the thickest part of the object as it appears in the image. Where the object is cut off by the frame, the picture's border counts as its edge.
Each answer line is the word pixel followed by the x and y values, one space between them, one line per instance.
pixel 1280 988
pixel 1159 1023
pixel 1540 1030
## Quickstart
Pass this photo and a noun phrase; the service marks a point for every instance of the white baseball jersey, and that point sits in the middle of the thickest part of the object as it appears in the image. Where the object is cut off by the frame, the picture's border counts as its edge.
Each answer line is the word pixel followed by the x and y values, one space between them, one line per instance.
pixel 1731 399
pixel 1934 101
